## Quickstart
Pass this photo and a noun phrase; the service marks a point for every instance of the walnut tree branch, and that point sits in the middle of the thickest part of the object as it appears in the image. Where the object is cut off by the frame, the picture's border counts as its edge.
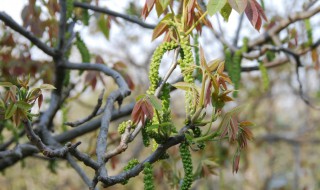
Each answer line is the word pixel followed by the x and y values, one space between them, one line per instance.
pixel 15 26
pixel 115 14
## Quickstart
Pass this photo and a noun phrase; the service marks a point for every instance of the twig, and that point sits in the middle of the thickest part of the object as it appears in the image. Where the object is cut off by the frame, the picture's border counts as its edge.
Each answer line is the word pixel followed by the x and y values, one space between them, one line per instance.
pixel 171 69
pixel 15 26
pixel 115 14
pixel 79 170
pixel 125 139
pixel 89 117
pixel 236 38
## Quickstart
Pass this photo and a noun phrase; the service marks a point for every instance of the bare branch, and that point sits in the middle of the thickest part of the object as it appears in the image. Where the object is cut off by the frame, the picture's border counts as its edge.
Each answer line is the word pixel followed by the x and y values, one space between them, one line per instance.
pixel 102 68
pixel 115 14
pixel 47 151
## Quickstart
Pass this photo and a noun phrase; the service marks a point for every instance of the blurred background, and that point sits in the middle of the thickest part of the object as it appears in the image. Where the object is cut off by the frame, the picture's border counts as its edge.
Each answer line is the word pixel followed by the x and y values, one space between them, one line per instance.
pixel 284 153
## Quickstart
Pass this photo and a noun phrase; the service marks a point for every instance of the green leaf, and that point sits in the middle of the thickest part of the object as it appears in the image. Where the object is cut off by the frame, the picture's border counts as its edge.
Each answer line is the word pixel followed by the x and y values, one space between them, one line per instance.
pixel 6 84
pixel 104 25
pixel 264 76
pixel 10 111
pixel 23 105
pixel 47 87
pixel 226 11
pixel 238 5
pixel 215 6
pixel 155 102
pixel 184 86
pixel 2 104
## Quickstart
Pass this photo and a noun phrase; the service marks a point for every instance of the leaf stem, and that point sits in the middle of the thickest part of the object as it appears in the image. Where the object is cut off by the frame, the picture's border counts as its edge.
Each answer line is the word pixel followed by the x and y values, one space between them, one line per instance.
pixel 196 23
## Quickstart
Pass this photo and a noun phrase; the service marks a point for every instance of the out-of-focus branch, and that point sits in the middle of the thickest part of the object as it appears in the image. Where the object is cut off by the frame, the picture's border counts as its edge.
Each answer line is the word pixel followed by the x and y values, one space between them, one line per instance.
pixel 102 68
pixel 273 138
pixel 115 14
pixel 282 25
pixel 15 26
pixel 79 170
pixel 89 117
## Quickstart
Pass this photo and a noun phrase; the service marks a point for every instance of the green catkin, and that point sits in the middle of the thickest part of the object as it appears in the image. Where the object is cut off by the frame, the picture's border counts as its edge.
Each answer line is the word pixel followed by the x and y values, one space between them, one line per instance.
pixel 197 57
pixel 69 5
pixel 145 136
pixel 148 177
pixel 155 64
pixel 264 76
pixel 185 63
pixel 187 166
pixel 85 17
pixel 228 63
pixel 197 133
pixel 236 70
pixel 122 126
pixel 309 31
pixel 84 52
pixel 270 56
pixel 131 164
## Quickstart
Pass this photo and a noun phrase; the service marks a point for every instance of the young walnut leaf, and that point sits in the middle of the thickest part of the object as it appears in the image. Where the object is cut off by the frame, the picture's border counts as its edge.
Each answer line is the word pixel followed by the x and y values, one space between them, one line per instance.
pixel 147 8
pixel 141 111
pixel 226 11
pixel 238 5
pixel 162 27
pixel 254 13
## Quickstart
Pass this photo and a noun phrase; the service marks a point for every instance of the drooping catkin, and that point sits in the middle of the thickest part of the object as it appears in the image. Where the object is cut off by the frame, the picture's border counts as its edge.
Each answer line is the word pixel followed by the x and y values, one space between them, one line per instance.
pixel 148 177
pixel 187 166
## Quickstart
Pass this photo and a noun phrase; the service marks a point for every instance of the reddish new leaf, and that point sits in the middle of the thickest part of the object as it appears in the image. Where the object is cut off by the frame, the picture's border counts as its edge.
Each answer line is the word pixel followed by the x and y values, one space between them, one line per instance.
pixel 236 161
pixel 40 100
pixel 254 13
pixel 159 29
pixel 135 115
pixel 147 8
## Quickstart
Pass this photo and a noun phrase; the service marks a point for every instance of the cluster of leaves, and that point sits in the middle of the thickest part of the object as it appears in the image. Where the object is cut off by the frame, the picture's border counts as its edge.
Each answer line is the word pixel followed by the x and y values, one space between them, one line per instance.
pixel 19 99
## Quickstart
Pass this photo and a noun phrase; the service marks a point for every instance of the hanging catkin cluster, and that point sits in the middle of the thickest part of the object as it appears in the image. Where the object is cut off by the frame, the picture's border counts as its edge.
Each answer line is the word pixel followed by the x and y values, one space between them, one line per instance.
pixel 131 164
pixel 155 64
pixel 185 63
